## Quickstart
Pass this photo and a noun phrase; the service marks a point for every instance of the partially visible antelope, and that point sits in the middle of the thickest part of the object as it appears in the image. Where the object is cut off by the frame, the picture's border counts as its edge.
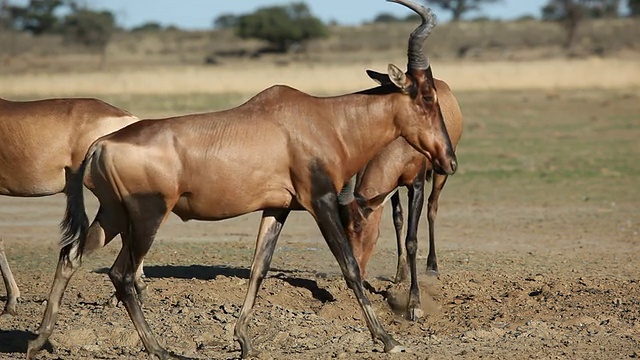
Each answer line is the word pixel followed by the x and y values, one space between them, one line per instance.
pixel 399 164
pixel 43 143
pixel 280 151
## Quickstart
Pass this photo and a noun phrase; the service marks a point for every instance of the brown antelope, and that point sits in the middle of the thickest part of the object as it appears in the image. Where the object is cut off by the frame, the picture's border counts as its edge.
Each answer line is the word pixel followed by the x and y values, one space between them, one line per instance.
pixel 290 150
pixel 399 164
pixel 43 143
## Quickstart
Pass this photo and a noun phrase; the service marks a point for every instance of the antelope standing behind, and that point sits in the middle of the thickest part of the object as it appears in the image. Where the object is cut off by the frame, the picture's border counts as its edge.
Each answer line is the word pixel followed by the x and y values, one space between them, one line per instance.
pixel 289 150
pixel 43 143
pixel 399 164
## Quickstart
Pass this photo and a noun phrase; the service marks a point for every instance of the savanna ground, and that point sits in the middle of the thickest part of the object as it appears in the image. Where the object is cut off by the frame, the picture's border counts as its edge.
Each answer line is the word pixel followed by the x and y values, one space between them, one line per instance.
pixel 538 232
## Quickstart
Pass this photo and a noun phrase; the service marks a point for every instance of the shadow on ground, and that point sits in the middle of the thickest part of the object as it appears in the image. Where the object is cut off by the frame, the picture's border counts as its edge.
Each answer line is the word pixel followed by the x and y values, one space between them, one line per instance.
pixel 205 272
pixel 200 272
pixel 16 341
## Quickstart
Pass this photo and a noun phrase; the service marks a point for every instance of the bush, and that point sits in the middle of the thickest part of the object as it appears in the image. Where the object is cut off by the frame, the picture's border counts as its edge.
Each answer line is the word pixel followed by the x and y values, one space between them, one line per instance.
pixel 282 26
pixel 225 21
pixel 147 27
pixel 89 28
pixel 386 18
pixel 37 17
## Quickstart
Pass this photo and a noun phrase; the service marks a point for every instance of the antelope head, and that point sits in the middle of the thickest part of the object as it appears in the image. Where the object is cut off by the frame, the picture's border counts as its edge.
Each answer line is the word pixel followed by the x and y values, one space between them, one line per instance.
pixel 420 119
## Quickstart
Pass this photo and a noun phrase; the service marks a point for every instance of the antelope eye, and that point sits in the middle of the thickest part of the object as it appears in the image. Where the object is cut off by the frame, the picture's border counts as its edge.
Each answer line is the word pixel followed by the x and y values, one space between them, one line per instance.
pixel 428 98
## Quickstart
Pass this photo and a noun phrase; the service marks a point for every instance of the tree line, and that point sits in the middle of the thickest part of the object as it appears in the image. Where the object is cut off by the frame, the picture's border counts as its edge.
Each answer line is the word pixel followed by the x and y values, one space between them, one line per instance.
pixel 283 27
pixel 293 24
pixel 80 24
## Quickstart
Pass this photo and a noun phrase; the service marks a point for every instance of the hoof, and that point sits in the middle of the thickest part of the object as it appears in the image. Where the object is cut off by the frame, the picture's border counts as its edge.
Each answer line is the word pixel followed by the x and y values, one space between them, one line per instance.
pixel 240 335
pixel 400 278
pixel 10 308
pixel 8 312
pixel 401 274
pixel 415 314
pixel 391 345
pixel 142 298
pixel 433 272
pixel 113 301
pixel 250 354
pixel 163 354
pixel 396 349
pixel 31 354
pixel 35 345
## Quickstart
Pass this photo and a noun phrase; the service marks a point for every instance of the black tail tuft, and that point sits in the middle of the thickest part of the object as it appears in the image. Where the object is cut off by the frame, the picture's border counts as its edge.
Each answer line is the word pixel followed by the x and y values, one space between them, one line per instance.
pixel 75 224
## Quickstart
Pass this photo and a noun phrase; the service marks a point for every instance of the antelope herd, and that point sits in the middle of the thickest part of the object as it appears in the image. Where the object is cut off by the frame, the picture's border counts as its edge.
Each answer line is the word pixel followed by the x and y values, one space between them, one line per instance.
pixel 289 150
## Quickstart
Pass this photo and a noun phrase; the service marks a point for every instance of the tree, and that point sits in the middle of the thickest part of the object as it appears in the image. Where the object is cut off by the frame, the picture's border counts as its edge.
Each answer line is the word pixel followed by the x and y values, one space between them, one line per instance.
pixel 38 17
pixel 602 8
pixel 147 27
pixel 92 29
pixel 225 21
pixel 386 18
pixel 570 13
pixel 560 9
pixel 5 18
pixel 634 7
pixel 281 26
pixel 459 7
pixel 413 18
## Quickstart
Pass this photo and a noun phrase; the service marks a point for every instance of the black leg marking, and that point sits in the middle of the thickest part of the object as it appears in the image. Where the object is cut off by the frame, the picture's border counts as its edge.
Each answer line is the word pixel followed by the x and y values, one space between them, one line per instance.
pixel 416 202
pixel 324 202
pixel 432 211
pixel 398 223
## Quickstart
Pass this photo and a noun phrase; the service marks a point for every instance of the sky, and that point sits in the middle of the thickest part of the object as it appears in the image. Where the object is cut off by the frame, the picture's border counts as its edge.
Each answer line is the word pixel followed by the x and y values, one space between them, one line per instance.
pixel 199 14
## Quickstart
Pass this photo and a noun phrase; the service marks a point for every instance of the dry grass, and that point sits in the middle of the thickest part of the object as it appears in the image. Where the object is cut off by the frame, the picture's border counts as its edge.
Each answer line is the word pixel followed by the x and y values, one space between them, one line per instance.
pixel 468 55
pixel 322 79
pixel 487 40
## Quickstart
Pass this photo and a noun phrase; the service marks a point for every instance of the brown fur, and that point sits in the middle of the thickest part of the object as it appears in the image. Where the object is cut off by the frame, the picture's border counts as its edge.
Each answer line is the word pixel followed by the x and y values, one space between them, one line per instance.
pixel 42 143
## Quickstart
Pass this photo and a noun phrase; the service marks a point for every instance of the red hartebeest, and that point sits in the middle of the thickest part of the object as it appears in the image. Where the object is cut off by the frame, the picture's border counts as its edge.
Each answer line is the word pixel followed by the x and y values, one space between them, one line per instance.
pixel 399 164
pixel 291 152
pixel 43 143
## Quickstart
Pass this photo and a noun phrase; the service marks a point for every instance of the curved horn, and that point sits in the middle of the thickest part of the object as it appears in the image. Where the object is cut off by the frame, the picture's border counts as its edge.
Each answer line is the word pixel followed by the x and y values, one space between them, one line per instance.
pixel 417 58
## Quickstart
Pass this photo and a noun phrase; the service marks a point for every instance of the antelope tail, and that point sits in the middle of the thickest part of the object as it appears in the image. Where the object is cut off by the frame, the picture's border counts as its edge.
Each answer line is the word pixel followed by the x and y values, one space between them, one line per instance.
pixel 75 224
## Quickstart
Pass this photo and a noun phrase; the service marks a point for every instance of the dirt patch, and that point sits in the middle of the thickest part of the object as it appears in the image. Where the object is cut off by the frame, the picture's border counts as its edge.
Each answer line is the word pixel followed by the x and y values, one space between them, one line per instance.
pixel 485 304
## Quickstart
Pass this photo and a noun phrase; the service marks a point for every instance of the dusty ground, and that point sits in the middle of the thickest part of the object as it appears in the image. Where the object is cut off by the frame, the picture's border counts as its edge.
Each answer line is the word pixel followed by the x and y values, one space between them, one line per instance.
pixel 538 248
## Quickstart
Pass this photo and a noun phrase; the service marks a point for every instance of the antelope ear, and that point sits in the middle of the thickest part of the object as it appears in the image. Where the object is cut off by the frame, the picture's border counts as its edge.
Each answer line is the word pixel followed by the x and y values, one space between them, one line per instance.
pixel 397 77
pixel 369 206
pixel 380 78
